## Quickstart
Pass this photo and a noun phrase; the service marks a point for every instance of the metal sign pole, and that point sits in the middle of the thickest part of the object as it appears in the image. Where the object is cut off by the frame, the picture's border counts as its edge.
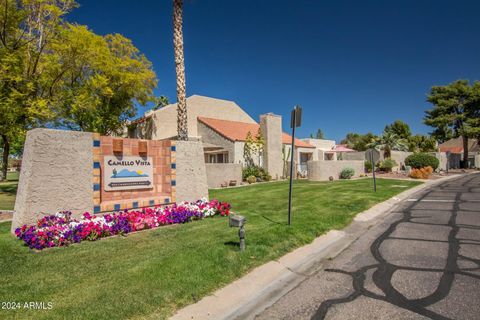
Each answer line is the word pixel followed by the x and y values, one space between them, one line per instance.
pixel 296 121
pixel 373 172
pixel 291 168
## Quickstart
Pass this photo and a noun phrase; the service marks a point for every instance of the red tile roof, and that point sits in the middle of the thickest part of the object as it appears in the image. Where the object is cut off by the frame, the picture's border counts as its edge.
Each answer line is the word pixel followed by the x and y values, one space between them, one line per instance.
pixel 237 131
pixel 455 145
pixel 451 149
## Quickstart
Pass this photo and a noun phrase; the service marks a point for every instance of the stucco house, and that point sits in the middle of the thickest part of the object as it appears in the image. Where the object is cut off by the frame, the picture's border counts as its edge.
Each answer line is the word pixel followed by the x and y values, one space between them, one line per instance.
pixel 455 149
pixel 222 126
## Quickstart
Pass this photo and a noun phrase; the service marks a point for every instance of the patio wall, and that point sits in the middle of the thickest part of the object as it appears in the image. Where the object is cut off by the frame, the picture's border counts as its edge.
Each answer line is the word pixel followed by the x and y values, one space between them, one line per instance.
pixel 220 173
pixel 442 158
pixel 357 155
pixel 321 170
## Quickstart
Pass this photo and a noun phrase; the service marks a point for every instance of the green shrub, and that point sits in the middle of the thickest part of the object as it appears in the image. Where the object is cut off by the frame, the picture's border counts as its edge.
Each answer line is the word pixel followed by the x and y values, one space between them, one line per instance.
pixel 253 171
pixel 347 173
pixel 368 166
pixel 387 165
pixel 422 160
pixel 251 179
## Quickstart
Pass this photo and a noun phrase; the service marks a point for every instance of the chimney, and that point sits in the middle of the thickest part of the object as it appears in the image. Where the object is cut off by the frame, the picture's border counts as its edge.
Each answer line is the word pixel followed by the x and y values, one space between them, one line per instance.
pixel 271 126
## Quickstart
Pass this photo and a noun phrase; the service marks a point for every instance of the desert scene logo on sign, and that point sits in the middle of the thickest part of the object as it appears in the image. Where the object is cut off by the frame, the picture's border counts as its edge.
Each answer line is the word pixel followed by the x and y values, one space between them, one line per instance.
pixel 127 173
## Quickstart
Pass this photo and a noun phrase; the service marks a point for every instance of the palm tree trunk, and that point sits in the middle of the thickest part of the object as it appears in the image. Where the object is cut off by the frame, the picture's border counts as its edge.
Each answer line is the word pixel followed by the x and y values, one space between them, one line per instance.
pixel 6 152
pixel 182 126
pixel 387 152
pixel 465 152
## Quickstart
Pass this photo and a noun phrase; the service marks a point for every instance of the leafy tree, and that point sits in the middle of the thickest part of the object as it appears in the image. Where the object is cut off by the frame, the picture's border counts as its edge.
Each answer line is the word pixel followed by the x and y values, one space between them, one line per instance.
pixel 387 142
pixel 421 143
pixel 358 142
pixel 253 147
pixel 182 125
pixel 103 79
pixel 160 102
pixel 52 72
pixel 456 110
pixel 27 30
pixel 400 128
pixel 319 135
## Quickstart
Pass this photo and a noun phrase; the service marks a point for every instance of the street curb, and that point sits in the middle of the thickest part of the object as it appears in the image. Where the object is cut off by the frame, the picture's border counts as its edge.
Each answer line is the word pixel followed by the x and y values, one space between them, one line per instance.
pixel 6 215
pixel 261 287
pixel 386 206
pixel 277 276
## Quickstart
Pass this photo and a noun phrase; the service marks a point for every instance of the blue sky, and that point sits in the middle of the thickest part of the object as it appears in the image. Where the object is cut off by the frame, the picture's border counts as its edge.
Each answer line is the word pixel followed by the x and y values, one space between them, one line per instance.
pixel 352 65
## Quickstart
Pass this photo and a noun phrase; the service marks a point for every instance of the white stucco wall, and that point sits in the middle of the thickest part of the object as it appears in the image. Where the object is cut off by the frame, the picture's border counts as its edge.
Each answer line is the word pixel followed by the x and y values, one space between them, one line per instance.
pixel 164 123
pixel 271 126
pixel 56 175
pixel 210 136
pixel 191 175
pixel 321 144
pixel 322 170
pixel 220 173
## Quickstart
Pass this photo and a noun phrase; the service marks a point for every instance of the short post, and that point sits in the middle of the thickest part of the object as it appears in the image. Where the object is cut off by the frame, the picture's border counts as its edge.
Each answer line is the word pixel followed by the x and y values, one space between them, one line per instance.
pixel 239 221
pixel 241 235
pixel 448 160
pixel 373 172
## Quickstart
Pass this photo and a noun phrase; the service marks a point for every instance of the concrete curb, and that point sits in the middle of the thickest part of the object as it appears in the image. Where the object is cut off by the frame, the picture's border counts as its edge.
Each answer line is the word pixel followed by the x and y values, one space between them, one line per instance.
pixel 386 206
pixel 6 215
pixel 260 288
pixel 273 277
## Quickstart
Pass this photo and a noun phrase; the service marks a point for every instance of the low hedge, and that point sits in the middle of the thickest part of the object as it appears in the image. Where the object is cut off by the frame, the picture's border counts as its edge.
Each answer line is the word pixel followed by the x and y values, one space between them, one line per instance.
pixel 422 160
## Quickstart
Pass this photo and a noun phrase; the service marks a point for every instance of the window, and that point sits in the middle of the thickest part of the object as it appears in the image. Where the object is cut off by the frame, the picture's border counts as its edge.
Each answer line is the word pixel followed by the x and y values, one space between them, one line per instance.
pixel 216 158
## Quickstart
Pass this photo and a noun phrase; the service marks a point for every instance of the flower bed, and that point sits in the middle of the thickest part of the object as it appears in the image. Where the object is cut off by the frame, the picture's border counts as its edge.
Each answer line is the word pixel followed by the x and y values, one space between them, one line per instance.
pixel 60 229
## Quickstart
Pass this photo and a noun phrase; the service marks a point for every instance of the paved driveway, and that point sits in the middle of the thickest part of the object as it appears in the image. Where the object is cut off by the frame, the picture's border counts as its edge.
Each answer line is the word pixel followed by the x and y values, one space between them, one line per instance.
pixel 422 262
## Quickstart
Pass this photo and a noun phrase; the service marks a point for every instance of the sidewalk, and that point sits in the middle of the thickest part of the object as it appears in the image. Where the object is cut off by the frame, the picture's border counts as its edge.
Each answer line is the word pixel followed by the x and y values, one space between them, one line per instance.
pixel 257 290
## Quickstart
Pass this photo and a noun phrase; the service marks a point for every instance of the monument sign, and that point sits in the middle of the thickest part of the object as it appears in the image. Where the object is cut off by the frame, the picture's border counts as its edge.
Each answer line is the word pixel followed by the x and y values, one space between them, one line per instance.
pixel 127 173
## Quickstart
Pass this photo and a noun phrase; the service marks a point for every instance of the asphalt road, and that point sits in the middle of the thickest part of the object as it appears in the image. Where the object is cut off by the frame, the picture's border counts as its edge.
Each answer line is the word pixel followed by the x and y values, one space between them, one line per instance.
pixel 421 262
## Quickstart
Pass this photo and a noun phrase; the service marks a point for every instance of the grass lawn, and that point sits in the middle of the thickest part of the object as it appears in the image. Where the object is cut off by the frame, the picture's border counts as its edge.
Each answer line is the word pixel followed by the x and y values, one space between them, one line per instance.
pixel 8 190
pixel 152 273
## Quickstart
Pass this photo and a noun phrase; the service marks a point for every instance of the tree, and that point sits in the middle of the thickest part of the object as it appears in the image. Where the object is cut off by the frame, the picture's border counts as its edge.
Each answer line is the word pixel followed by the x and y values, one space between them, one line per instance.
pixel 421 143
pixel 400 128
pixel 253 147
pixel 319 135
pixel 102 80
pixel 182 125
pixel 455 111
pixel 387 142
pixel 358 142
pixel 54 73
pixel 160 102
pixel 27 30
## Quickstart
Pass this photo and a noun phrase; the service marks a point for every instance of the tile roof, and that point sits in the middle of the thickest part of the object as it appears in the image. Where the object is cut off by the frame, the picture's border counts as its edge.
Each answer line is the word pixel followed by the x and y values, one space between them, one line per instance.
pixel 237 131
pixel 456 145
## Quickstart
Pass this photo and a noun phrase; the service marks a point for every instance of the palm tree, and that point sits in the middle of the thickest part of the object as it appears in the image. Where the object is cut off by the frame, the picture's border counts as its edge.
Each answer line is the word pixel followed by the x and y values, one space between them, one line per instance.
pixel 182 128
pixel 387 142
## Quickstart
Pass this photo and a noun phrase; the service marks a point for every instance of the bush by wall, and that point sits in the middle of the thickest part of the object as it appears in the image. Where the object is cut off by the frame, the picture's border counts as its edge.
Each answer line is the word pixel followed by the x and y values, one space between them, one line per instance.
pixel 421 160
pixel 251 179
pixel 347 173
pixel 368 166
pixel 387 165
pixel 255 171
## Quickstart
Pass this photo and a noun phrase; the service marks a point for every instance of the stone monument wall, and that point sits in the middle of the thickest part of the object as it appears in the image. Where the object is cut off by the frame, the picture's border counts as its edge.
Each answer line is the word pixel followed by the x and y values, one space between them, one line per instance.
pixel 85 172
